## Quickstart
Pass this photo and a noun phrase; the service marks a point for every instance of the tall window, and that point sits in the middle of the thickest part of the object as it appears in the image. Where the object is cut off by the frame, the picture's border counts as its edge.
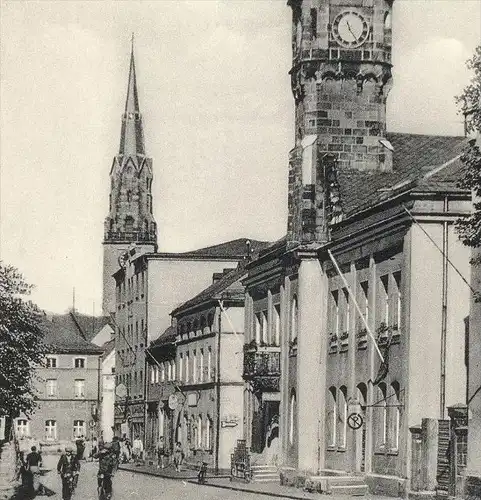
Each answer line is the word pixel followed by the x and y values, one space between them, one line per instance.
pixel 162 372
pixel 52 387
pixel 173 369
pixel 209 364
pixel 364 305
pixel 169 370
pixel 152 374
pixel 332 417
pixel 347 310
pixel 201 365
pixel 342 428
pixel 277 324
pixel 187 367
pixel 51 430
pixel 398 299
pixel 385 299
pixel 79 362
pixel 194 366
pixel 381 416
pixel 313 23
pixel 335 312
pixel 265 327
pixel 208 433
pixel 394 412
pixel 292 417
pixel 294 318
pixel 199 432
pixel 257 327
pixel 79 388
pixel 181 367
pixel 79 428
pixel 51 362
pixel 22 427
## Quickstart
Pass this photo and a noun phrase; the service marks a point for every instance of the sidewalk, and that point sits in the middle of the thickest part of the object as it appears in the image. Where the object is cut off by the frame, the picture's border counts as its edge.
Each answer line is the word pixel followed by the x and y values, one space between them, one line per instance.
pixel 264 489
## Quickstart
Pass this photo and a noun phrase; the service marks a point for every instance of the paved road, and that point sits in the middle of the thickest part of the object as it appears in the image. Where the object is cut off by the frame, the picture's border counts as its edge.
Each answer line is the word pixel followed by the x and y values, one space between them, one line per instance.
pixel 133 486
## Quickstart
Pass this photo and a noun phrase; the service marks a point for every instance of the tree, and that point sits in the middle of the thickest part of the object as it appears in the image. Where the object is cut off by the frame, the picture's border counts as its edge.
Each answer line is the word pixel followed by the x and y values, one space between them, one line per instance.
pixel 21 344
pixel 469 102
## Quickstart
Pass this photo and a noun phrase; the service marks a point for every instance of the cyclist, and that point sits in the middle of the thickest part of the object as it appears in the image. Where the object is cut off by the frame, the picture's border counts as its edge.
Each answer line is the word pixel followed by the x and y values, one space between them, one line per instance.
pixel 68 466
pixel 116 452
pixel 106 470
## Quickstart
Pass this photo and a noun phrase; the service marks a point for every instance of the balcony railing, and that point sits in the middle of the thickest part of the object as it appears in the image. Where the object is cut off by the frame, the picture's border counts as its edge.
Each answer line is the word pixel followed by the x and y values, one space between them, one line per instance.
pixel 262 367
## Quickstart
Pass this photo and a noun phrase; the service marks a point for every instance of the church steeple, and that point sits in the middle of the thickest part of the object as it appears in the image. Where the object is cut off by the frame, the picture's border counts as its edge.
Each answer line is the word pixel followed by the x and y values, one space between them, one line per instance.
pixel 132 134
pixel 130 219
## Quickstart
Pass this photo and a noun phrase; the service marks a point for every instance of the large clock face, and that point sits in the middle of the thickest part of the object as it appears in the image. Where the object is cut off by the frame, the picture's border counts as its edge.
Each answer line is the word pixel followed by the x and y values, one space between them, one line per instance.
pixel 350 29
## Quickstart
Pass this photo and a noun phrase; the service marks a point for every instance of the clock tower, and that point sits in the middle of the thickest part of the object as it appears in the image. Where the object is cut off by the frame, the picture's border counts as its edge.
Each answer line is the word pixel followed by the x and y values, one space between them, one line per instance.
pixel 130 219
pixel 340 77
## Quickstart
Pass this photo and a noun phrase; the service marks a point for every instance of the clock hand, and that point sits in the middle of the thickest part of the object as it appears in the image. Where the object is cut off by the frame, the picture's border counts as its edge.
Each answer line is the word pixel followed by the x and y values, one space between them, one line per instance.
pixel 352 33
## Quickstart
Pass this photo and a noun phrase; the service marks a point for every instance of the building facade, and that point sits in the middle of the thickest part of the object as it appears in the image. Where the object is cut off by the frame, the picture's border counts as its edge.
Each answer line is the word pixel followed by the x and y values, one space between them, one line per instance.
pixel 149 287
pixel 130 218
pixel 68 387
pixel 355 300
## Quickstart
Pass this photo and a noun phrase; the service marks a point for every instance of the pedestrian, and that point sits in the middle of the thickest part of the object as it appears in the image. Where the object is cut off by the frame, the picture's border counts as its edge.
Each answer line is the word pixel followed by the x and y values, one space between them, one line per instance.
pixel 95 447
pixel 88 449
pixel 33 463
pixel 138 449
pixel 116 452
pixel 161 453
pixel 68 466
pixel 178 456
pixel 106 470
pixel 79 443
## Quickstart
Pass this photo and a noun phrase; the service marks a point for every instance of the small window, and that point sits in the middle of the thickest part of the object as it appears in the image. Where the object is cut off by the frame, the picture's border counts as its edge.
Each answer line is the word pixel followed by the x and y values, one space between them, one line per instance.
pixel 50 430
pixel 51 387
pixel 79 388
pixel 79 362
pixel 51 362
pixel 79 428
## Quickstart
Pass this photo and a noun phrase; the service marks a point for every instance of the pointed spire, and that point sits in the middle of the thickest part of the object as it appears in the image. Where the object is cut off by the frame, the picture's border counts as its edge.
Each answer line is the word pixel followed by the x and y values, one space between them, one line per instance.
pixel 132 134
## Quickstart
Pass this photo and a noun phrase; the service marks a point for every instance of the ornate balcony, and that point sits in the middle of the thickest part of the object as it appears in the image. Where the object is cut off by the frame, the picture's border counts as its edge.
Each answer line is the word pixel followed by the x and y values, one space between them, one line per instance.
pixel 262 367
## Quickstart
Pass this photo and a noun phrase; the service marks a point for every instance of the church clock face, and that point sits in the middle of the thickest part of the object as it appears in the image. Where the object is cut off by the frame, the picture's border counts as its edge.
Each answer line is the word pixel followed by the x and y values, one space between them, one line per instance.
pixel 350 29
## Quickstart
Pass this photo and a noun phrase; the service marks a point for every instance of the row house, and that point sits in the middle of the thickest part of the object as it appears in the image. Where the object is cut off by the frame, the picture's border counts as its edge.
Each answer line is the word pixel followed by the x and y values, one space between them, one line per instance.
pixel 148 287
pixel 200 396
pixel 68 385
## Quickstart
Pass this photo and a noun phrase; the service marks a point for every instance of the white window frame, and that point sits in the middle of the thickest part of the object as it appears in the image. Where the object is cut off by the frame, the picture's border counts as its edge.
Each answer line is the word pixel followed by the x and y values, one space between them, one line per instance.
pixel 79 430
pixel 79 394
pixel 82 358
pixel 54 383
pixel 22 427
pixel 50 430
pixel 53 358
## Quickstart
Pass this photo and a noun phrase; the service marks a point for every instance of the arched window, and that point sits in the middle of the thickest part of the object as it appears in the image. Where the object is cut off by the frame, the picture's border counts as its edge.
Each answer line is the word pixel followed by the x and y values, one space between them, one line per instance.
pixel 208 433
pixel 129 224
pixel 173 369
pixel 331 417
pixel 257 328
pixel 199 432
pixel 292 416
pixel 264 326
pixel 388 20
pixel 394 416
pixel 277 325
pixel 381 416
pixel 342 416
pixel 294 318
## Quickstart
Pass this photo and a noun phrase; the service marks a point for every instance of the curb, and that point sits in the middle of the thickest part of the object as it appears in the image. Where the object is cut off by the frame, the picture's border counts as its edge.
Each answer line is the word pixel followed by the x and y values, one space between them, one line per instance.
pixel 149 473
pixel 248 490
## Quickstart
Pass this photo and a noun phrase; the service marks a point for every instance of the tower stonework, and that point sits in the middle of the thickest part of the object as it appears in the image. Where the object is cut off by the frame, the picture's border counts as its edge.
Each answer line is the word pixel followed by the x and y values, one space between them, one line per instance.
pixel 130 219
pixel 340 78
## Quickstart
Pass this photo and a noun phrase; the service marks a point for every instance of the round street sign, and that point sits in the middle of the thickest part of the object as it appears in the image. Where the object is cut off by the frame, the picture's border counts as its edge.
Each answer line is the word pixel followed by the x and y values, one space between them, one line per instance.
pixel 121 391
pixel 173 402
pixel 355 421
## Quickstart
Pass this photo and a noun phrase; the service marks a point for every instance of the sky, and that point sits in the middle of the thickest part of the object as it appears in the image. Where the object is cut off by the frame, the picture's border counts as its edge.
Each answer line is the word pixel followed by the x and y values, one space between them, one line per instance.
pixel 215 96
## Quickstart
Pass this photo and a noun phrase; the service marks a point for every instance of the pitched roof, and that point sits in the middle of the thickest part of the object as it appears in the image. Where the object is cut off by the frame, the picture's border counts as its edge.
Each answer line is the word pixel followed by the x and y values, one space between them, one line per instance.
pixel 229 286
pixel 234 248
pixel 62 334
pixel 167 337
pixel 90 325
pixel 107 348
pixel 414 156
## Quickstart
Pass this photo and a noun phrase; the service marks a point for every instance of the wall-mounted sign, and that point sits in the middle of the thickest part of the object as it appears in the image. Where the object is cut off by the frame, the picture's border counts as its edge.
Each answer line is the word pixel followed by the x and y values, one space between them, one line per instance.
pixel 192 399
pixel 228 423
pixel 173 401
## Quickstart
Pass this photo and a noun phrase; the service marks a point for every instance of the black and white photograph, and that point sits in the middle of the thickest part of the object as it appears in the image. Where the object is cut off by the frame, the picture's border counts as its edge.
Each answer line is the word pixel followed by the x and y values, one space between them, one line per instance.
pixel 240 249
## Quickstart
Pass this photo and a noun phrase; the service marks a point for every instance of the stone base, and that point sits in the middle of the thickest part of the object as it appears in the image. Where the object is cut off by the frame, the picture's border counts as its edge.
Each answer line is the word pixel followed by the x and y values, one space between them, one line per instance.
pixel 421 495
pixel 391 486
pixel 472 488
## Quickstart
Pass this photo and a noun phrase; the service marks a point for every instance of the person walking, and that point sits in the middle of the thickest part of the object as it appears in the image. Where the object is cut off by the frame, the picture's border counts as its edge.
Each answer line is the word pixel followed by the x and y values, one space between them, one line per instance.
pixel 68 466
pixel 116 452
pixel 80 444
pixel 178 456
pixel 161 453
pixel 138 449
pixel 33 463
pixel 106 469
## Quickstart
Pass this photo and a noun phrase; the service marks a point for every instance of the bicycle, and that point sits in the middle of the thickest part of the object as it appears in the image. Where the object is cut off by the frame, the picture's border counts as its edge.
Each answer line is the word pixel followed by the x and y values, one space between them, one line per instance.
pixel 104 484
pixel 67 486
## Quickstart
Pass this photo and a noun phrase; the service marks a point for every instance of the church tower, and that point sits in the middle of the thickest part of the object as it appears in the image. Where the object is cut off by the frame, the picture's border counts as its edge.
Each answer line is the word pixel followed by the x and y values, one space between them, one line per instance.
pixel 340 77
pixel 130 219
